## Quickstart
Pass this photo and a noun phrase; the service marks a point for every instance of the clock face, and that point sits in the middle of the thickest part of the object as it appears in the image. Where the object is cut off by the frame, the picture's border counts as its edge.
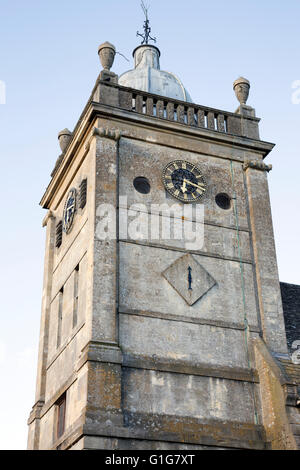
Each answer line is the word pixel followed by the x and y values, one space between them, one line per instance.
pixel 69 210
pixel 184 181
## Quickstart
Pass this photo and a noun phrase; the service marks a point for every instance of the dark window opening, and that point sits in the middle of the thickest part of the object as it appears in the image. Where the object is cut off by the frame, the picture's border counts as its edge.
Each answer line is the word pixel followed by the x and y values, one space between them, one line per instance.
pixel 58 234
pixel 75 301
pixel 61 416
pixel 223 201
pixel 142 185
pixel 82 193
pixel 59 317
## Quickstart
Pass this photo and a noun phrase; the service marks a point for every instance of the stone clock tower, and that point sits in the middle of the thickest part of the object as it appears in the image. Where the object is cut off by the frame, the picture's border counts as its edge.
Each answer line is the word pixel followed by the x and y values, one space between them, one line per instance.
pixel 149 340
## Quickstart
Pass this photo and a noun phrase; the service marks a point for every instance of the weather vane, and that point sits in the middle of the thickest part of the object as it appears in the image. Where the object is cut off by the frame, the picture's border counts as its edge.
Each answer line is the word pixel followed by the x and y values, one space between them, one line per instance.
pixel 147 30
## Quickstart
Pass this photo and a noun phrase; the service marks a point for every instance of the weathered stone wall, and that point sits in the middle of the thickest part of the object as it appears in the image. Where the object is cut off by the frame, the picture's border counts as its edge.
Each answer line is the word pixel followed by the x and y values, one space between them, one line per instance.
pixel 264 253
pixel 144 368
pixel 274 410
pixel 61 356
pixel 68 256
pixel 186 347
pixel 151 392
pixel 294 420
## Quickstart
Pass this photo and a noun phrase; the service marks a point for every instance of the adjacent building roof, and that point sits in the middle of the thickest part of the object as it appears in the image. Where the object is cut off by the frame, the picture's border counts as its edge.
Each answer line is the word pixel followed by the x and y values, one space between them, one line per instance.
pixel 290 294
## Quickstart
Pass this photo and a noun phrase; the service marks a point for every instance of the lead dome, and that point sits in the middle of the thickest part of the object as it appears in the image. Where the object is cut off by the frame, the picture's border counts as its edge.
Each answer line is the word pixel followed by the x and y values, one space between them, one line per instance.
pixel 147 76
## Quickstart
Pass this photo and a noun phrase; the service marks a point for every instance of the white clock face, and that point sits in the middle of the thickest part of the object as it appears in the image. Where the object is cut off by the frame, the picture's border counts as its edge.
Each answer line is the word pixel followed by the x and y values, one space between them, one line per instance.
pixel 69 210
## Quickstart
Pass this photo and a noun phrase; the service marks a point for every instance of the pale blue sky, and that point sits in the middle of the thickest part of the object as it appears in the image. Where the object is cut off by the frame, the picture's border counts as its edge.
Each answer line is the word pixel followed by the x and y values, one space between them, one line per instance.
pixel 49 62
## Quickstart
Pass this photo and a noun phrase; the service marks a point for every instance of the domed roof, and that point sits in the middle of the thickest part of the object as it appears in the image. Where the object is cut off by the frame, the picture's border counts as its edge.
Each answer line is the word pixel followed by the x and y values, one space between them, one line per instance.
pixel 147 76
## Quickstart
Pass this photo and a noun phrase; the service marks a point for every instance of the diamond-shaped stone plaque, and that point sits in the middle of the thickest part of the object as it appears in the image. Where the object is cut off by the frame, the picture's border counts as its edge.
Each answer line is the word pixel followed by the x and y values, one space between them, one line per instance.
pixel 189 279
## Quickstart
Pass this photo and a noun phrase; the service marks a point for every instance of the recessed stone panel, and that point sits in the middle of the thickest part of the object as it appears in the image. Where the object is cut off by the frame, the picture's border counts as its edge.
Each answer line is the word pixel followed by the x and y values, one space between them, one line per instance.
pixel 205 398
pixel 189 278
pixel 178 342
pixel 144 288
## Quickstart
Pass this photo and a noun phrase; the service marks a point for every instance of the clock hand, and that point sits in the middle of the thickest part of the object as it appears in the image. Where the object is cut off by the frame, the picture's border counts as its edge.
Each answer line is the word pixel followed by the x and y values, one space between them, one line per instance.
pixel 183 188
pixel 193 184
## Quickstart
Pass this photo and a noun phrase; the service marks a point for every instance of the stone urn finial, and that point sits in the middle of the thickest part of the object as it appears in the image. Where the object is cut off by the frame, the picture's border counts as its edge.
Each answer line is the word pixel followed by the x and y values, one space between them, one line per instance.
pixel 241 87
pixel 107 52
pixel 64 138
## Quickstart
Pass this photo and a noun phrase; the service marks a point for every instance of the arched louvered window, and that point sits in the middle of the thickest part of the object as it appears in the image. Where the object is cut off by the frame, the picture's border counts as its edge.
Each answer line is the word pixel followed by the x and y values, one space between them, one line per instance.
pixel 82 193
pixel 58 234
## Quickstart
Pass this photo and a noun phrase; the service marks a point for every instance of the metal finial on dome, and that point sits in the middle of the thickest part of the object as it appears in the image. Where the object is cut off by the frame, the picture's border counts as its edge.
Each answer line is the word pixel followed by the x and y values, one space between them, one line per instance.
pixel 147 30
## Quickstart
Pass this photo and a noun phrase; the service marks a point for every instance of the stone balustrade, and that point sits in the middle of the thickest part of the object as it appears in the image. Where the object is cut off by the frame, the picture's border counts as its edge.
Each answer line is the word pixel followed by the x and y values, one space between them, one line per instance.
pixel 182 112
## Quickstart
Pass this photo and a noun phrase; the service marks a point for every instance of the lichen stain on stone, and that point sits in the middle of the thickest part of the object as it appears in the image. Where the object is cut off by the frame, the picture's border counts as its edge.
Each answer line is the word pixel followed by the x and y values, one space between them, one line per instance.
pixel 108 186
pixel 157 380
pixel 217 393
pixel 175 356
pixel 105 388
pixel 112 169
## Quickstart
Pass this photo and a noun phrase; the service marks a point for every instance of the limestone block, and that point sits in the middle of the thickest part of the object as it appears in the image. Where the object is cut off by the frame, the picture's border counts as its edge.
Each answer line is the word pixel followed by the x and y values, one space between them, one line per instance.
pixel 53 326
pixel 152 392
pixel 266 263
pixel 47 430
pixel 274 410
pixel 61 365
pixel 180 342
pixel 79 445
pixel 170 228
pixel 67 308
pixel 105 250
pixel 64 265
pixel 77 397
pixel 96 443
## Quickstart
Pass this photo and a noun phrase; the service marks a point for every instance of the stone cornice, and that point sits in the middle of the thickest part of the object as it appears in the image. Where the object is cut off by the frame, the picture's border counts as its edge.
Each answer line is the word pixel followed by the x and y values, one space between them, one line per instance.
pixel 160 123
